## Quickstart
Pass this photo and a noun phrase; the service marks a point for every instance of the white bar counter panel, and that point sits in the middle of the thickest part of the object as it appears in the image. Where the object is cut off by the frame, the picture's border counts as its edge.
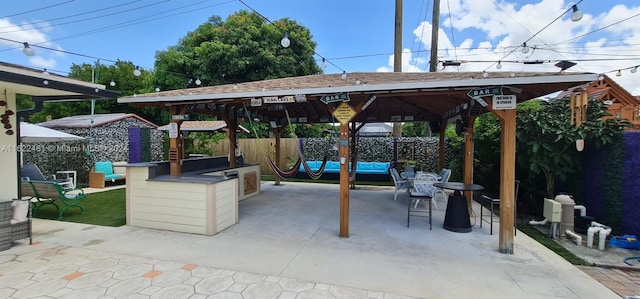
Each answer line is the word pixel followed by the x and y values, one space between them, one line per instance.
pixel 199 204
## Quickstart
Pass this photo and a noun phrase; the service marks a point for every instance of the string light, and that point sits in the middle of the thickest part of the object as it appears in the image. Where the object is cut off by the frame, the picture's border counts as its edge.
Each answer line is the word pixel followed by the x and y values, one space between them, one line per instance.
pixel 112 83
pixel 285 42
pixel 157 89
pixel 324 63
pixel 525 48
pixel 499 65
pixel 619 73
pixel 577 14
pixel 136 72
pixel 357 81
pixel 634 69
pixel 45 72
pixel 344 75
pixel 27 50
pixel 198 82
pixel 485 74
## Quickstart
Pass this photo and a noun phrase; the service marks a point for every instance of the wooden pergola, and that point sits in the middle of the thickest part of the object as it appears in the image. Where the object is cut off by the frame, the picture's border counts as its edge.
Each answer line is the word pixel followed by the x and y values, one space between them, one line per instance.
pixel 358 98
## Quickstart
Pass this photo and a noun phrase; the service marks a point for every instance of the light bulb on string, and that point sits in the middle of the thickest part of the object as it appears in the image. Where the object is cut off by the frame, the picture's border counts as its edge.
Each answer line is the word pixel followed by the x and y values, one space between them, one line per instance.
pixel 324 63
pixel 198 82
pixel 112 83
pixel 45 72
pixel 27 50
pixel 485 74
pixel 619 73
pixel 344 75
pixel 137 72
pixel 577 14
pixel 499 65
pixel 157 89
pixel 285 42
pixel 357 81
pixel 634 70
pixel 525 48
pixel 235 85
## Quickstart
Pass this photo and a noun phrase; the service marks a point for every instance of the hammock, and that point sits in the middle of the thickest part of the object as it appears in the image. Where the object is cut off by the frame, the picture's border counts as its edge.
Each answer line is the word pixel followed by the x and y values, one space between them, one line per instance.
pixel 285 174
pixel 313 174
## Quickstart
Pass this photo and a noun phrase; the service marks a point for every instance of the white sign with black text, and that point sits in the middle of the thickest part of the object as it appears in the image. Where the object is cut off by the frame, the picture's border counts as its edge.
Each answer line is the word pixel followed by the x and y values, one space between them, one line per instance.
pixel 504 102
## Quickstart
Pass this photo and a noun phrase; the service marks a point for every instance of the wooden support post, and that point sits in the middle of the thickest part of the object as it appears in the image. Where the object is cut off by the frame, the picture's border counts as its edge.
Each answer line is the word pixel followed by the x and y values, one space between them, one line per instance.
pixel 443 127
pixel 343 154
pixel 174 146
pixel 276 132
pixel 467 174
pixel 507 181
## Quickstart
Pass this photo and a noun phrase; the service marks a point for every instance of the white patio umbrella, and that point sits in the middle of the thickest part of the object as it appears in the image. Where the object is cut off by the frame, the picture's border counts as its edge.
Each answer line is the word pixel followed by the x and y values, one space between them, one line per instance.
pixel 30 133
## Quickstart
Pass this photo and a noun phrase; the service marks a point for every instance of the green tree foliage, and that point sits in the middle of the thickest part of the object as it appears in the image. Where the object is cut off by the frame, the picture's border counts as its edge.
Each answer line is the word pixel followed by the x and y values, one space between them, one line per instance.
pixel 242 48
pixel 546 139
pixel 121 73
pixel 414 129
pixel 486 155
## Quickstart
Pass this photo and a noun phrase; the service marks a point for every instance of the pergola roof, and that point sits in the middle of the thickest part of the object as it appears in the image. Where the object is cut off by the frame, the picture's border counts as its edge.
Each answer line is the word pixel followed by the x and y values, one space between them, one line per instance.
pixel 399 96
pixel 49 87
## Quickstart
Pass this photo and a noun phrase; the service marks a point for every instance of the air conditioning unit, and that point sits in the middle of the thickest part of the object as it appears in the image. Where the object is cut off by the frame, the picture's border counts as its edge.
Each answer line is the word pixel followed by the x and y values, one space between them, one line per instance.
pixel 552 210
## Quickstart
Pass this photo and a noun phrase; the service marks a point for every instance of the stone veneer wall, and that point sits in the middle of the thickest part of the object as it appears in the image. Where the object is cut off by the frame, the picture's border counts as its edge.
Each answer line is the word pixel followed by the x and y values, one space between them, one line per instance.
pixel 380 149
pixel 109 142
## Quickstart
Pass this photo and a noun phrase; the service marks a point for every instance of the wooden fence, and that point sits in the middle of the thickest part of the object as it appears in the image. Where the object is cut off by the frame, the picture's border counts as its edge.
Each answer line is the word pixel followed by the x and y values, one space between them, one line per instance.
pixel 256 151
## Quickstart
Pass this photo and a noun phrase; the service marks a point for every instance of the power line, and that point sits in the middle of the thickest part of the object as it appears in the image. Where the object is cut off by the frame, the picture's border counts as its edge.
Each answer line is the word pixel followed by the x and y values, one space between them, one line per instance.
pixel 324 59
pixel 37 9
pixel 87 19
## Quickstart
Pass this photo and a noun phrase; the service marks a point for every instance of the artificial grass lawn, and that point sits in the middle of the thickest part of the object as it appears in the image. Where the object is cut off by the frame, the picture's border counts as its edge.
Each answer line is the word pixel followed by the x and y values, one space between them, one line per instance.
pixel 102 208
pixel 551 244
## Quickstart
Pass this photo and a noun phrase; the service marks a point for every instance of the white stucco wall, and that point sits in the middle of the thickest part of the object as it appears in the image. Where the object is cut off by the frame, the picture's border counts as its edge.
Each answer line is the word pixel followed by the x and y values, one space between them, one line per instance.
pixel 9 158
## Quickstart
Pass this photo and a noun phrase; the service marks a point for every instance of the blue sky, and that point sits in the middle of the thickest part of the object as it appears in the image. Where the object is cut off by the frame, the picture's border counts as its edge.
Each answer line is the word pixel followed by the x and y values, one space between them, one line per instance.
pixel 355 35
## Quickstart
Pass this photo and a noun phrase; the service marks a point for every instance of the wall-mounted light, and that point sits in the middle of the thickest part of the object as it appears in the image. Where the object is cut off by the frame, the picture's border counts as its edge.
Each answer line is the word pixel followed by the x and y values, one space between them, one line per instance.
pixel 136 71
pixel 285 42
pixel 27 50
pixel 577 14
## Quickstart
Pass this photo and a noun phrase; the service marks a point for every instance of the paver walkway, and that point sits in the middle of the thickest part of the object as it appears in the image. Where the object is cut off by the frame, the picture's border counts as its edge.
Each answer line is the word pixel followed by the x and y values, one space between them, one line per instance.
pixel 48 271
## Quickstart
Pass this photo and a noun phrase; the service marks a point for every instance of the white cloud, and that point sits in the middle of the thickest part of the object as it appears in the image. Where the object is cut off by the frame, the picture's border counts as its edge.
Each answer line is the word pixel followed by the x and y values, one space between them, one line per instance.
pixel 32 35
pixel 41 62
pixel 492 30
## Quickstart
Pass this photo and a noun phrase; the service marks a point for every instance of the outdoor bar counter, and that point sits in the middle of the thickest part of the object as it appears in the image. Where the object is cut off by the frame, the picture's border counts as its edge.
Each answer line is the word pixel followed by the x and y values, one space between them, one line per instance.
pixel 203 200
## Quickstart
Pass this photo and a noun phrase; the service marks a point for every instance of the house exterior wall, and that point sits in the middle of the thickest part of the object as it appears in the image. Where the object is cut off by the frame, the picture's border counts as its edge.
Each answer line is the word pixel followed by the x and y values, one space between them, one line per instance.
pixel 9 155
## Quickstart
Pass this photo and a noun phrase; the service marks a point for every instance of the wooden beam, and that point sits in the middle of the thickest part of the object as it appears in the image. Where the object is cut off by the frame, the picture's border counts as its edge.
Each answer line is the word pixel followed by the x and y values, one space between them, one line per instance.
pixel 343 155
pixel 467 176
pixel 507 181
pixel 276 132
pixel 443 128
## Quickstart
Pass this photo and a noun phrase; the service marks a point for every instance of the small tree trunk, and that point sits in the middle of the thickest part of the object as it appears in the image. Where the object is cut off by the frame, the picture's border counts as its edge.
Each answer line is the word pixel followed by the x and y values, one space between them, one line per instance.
pixel 551 182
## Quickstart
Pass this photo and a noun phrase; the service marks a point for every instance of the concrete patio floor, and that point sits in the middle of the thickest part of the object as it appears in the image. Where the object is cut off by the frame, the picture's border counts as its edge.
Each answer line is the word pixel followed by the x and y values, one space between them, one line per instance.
pixel 291 232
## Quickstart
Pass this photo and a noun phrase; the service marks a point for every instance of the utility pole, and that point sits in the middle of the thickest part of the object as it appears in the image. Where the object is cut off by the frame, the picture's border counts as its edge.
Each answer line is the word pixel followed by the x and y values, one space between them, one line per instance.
pixel 435 27
pixel 397 57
